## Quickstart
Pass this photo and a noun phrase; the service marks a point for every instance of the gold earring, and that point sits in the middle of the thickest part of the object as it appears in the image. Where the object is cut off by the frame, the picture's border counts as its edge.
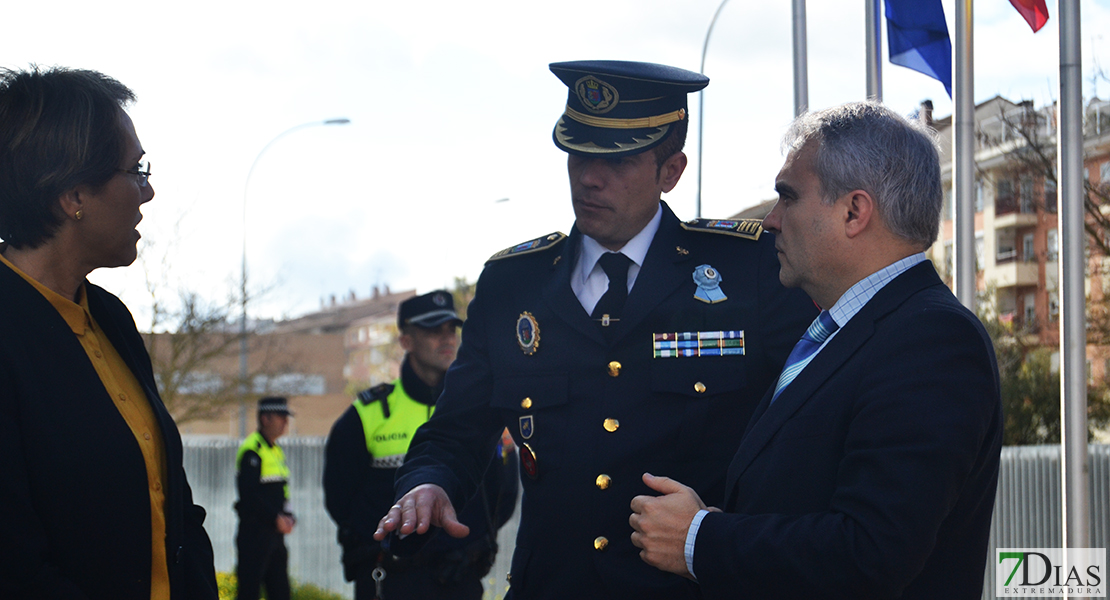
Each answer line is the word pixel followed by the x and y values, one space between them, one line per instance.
pixel 77 215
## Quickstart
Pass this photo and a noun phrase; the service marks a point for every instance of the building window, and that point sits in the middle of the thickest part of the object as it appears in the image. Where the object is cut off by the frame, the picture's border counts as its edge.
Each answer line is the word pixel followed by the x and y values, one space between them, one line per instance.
pixel 1053 305
pixel 1049 195
pixel 1027 253
pixel 979 251
pixel 1052 252
pixel 978 195
pixel 1104 173
pixel 1006 252
pixel 1027 195
pixel 1004 197
pixel 1030 310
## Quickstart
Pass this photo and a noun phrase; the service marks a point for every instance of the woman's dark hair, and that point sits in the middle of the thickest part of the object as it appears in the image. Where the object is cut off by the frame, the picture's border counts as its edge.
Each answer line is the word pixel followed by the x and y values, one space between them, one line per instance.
pixel 59 128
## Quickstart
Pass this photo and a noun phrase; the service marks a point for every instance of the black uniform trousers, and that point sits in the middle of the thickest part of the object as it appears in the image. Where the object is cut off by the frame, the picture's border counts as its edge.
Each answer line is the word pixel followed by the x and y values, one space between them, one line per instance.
pixel 263 561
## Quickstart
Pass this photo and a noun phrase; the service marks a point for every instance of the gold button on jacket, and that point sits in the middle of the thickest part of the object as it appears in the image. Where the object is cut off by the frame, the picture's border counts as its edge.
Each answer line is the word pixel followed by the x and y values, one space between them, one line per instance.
pixel 601 543
pixel 603 481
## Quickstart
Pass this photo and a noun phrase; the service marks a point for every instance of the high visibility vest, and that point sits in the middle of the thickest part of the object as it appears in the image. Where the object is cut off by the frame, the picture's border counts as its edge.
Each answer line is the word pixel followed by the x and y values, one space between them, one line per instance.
pixel 274 469
pixel 389 428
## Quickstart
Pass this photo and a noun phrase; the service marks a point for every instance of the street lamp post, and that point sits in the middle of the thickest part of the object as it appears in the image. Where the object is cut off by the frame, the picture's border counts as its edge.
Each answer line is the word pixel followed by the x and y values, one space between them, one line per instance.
pixel 243 352
pixel 701 102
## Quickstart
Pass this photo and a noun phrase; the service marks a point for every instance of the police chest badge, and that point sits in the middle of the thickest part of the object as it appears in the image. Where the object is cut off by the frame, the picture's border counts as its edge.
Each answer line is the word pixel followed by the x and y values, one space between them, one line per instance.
pixel 527 333
pixel 527 427
pixel 708 280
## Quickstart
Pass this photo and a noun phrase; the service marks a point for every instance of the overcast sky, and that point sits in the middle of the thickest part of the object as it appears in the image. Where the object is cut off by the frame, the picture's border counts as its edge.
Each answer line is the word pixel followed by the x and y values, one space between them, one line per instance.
pixel 451 107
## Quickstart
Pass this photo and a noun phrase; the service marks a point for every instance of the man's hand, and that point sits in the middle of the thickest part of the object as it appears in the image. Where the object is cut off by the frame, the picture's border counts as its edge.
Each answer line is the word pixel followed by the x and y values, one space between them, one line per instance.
pixel 423 506
pixel 285 524
pixel 659 523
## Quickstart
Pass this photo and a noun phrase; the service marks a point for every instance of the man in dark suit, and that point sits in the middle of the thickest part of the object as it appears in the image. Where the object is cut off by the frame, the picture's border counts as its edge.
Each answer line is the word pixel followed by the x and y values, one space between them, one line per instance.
pixel 869 469
pixel 636 343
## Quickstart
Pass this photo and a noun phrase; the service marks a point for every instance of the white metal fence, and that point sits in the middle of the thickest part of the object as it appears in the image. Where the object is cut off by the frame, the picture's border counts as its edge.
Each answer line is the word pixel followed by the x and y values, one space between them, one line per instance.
pixel 1026 514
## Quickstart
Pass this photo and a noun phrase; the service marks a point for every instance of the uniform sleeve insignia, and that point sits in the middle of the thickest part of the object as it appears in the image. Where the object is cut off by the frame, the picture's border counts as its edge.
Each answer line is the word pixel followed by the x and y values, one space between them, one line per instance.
pixel 537 245
pixel 749 229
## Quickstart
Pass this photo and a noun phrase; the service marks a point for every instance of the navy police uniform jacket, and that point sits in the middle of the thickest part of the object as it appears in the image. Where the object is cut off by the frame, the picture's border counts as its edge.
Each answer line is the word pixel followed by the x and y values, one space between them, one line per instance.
pixel 596 411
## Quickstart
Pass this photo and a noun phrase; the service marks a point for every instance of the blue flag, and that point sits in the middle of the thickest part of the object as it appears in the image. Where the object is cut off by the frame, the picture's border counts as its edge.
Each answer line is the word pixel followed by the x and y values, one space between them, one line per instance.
pixel 917 36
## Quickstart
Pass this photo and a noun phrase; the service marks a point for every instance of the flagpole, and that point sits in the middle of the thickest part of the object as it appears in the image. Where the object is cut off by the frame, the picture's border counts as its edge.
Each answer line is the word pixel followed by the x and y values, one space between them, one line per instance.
pixel 963 154
pixel 874 51
pixel 801 75
pixel 1073 321
pixel 701 104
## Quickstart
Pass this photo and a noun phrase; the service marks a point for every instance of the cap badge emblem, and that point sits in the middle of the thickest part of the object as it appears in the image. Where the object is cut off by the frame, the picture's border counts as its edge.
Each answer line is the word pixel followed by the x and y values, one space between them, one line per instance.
pixel 440 299
pixel 596 96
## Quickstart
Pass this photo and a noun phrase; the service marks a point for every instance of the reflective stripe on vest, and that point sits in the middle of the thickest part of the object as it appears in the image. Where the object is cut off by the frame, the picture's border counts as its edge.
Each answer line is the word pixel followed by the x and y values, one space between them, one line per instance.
pixel 274 469
pixel 387 440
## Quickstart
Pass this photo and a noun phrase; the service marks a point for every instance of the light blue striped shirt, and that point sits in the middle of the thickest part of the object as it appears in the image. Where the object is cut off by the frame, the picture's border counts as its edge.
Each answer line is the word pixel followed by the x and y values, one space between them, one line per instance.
pixel 845 308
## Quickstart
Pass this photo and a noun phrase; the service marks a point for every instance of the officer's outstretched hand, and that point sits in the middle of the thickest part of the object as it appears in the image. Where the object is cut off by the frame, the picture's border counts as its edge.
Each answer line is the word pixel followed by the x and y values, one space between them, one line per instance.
pixel 659 523
pixel 423 506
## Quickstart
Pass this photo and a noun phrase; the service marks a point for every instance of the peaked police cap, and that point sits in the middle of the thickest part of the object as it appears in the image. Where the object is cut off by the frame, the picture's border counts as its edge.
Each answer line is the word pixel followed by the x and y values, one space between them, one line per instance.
pixel 619 107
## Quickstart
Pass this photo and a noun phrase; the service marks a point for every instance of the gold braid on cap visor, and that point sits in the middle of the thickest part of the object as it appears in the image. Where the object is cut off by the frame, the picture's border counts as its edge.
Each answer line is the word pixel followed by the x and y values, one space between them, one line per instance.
pixel 641 123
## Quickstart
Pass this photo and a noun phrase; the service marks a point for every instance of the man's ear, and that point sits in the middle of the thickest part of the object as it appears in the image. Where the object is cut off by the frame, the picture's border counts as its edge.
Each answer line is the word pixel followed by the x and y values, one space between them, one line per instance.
pixel 860 211
pixel 671 171
pixel 406 342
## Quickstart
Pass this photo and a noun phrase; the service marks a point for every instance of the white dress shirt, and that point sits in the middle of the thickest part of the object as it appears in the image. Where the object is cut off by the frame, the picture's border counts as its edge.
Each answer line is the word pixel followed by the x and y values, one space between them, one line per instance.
pixel 589 281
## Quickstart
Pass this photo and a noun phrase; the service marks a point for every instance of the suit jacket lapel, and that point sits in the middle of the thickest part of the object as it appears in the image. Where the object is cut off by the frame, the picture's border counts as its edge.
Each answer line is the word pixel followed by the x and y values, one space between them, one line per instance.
pixel 769 418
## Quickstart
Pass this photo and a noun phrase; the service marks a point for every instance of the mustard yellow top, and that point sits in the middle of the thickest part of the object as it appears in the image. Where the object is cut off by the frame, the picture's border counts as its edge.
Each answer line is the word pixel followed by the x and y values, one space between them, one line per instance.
pixel 132 403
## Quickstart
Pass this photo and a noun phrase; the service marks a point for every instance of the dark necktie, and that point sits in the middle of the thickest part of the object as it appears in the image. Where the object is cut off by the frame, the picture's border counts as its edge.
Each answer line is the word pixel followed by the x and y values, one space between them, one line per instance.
pixel 615 266
pixel 819 331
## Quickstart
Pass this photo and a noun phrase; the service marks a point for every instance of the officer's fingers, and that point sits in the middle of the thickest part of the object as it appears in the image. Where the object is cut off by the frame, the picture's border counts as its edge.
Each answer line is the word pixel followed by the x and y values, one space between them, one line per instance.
pixel 635 520
pixel 427 501
pixel 639 503
pixel 449 521
pixel 388 523
pixel 664 485
pixel 638 541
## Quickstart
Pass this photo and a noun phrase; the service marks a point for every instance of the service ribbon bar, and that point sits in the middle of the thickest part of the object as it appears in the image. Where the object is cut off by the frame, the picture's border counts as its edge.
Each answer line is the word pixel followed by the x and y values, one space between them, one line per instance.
pixel 697 343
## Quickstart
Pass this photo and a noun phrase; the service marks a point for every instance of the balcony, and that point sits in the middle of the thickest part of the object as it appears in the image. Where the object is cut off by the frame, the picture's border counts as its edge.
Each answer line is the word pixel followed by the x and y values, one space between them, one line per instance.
pixel 1009 213
pixel 1008 272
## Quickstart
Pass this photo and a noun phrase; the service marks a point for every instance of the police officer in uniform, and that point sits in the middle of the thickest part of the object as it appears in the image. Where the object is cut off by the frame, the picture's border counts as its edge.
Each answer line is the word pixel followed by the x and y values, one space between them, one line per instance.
pixel 265 515
pixel 638 343
pixel 368 443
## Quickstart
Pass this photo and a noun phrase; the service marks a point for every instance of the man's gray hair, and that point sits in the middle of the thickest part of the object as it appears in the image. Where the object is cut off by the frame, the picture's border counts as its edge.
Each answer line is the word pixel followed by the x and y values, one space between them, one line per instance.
pixel 866 146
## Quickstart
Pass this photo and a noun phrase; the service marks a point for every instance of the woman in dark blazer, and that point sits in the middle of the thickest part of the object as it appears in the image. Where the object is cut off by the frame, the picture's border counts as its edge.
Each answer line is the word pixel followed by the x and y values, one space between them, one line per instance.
pixel 94 503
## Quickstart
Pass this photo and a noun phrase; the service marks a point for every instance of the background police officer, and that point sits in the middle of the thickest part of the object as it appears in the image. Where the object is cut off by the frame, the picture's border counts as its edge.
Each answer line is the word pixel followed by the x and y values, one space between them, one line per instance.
pixel 265 515
pixel 637 344
pixel 369 442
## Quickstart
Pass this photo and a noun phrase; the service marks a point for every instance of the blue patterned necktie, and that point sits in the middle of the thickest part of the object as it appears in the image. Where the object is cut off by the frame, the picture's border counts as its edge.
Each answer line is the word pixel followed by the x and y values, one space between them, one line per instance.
pixel 819 331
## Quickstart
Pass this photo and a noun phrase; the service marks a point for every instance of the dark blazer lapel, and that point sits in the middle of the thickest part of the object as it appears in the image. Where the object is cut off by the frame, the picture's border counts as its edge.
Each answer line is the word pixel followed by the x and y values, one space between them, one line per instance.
pixel 769 418
pixel 559 296
pixel 660 274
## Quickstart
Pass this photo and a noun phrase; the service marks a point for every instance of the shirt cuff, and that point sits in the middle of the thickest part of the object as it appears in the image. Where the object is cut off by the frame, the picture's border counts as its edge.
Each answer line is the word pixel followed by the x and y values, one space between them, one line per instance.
pixel 691 537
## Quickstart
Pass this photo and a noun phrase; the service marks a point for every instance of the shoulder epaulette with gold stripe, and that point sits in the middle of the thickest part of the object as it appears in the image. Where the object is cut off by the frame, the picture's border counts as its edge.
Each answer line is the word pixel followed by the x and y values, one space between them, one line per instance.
pixel 537 245
pixel 748 229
